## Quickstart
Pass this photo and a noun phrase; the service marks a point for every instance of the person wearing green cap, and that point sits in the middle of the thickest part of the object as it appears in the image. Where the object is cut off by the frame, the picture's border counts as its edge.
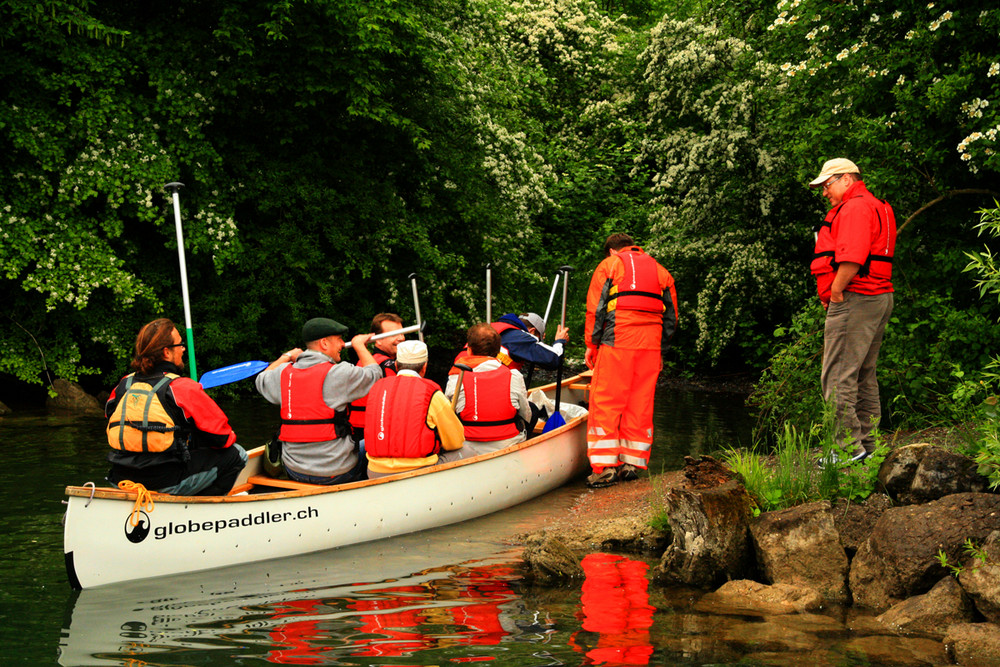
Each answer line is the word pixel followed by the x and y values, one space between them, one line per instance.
pixel 314 388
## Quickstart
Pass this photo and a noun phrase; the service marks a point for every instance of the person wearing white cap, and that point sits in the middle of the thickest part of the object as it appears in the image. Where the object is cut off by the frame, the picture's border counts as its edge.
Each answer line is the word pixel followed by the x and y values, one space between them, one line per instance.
pixel 852 263
pixel 409 424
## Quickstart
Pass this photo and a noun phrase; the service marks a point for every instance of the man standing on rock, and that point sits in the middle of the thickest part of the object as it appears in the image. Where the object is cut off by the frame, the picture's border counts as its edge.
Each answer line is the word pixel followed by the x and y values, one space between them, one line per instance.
pixel 853 268
pixel 631 317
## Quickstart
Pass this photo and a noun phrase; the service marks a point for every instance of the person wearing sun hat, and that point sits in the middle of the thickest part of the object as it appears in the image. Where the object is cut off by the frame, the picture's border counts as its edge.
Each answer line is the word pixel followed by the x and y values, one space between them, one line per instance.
pixel 852 264
pixel 314 388
pixel 409 423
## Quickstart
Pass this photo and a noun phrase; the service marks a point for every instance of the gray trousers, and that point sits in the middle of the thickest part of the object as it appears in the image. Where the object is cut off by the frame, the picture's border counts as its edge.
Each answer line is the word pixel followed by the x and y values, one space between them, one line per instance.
pixel 852 338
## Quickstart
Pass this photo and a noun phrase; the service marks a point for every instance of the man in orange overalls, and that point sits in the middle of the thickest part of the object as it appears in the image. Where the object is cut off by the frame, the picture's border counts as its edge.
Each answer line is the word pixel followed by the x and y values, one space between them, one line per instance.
pixel 631 317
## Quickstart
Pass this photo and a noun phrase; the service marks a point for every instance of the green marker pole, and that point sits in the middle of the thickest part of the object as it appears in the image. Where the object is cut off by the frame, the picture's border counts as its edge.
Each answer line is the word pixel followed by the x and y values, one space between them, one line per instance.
pixel 174 189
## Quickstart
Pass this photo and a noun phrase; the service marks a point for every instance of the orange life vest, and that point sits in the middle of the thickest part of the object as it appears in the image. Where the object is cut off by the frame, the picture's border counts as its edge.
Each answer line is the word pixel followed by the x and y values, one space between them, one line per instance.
pixel 396 419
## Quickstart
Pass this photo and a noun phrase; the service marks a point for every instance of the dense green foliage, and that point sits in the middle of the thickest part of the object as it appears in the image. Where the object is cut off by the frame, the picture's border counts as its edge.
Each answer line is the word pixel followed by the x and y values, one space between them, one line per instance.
pixel 329 150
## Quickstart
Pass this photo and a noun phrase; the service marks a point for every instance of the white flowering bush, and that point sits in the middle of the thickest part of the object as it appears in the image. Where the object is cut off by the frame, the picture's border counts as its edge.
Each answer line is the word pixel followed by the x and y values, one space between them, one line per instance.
pixel 911 89
pixel 717 216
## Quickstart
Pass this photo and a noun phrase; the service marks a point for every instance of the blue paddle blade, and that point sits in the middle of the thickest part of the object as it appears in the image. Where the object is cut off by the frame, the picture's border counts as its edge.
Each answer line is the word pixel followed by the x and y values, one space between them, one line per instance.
pixel 234 373
pixel 553 422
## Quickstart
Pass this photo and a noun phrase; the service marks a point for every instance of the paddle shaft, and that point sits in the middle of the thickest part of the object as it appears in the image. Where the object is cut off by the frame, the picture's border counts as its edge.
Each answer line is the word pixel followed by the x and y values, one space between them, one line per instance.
pixel 174 189
pixel 562 323
pixel 548 308
pixel 489 293
pixel 458 386
pixel 397 332
pixel 416 304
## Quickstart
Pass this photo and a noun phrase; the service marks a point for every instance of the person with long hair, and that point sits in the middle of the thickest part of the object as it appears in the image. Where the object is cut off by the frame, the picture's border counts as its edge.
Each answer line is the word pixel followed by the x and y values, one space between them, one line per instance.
pixel 165 432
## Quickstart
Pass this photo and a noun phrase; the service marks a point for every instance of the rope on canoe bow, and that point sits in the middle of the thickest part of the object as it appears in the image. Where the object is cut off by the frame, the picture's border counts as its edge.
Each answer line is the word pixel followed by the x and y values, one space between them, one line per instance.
pixel 143 499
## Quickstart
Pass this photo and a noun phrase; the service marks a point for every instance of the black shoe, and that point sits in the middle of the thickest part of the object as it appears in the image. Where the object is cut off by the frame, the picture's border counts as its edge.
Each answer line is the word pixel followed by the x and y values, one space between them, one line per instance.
pixel 628 473
pixel 599 480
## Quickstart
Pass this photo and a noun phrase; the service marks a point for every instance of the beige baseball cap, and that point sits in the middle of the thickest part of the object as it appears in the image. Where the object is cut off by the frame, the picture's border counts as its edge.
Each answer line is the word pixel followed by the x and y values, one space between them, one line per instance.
pixel 840 165
pixel 411 352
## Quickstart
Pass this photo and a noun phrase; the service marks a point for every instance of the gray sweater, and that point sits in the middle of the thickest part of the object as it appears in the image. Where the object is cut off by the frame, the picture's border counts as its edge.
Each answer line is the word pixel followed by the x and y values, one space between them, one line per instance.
pixel 343 384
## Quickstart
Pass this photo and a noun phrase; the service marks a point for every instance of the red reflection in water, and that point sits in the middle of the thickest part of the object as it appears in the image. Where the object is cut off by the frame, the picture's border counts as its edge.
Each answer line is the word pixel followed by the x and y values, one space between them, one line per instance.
pixel 615 605
pixel 458 610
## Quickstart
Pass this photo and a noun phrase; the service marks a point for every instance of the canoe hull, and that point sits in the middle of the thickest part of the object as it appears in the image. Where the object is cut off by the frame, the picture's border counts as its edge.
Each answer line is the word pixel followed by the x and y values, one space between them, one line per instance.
pixel 189 534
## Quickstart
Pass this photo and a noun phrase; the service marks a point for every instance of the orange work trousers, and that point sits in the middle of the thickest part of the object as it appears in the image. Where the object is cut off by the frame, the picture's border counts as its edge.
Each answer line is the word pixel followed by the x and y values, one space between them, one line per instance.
pixel 620 423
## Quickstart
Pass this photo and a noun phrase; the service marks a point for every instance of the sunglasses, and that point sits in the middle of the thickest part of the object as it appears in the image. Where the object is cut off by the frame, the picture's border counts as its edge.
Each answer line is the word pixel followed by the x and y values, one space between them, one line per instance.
pixel 174 345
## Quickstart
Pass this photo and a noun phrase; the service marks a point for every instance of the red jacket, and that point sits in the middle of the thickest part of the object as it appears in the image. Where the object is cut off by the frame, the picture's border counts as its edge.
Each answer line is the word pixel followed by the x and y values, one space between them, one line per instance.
pixel 860 229
pixel 631 303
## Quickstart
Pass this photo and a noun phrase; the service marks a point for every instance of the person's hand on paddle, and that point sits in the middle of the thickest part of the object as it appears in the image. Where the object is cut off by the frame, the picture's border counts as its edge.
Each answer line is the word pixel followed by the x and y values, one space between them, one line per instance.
pixel 360 345
pixel 562 333
pixel 590 357
pixel 287 357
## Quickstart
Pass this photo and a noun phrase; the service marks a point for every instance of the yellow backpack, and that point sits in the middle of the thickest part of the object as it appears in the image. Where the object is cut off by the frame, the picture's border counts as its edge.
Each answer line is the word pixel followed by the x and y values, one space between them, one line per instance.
pixel 140 422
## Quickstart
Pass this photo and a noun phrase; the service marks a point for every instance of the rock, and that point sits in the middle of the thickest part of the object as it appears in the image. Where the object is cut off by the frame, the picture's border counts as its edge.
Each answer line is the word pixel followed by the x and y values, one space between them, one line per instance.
pixel 744 596
pixel 932 613
pixel 4 410
pixel 708 525
pixel 920 473
pixel 974 644
pixel 71 397
pixel 899 559
pixel 800 546
pixel 549 559
pixel 891 651
pixel 854 521
pixel 982 580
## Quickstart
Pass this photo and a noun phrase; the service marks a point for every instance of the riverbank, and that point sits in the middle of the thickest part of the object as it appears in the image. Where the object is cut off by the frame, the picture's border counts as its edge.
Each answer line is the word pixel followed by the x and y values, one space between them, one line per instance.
pixel 910 575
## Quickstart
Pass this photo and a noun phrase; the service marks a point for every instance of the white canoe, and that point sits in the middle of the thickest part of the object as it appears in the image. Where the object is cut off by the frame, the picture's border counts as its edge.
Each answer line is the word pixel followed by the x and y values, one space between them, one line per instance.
pixel 192 533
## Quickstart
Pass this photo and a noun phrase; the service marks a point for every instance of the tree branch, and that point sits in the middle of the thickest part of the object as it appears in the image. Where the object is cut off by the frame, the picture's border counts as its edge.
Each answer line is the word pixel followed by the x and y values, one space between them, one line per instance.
pixel 947 195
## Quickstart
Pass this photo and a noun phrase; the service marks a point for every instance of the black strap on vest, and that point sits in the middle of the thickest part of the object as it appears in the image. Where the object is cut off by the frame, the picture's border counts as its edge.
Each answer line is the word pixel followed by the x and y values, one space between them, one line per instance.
pixel 342 426
pixel 652 295
pixel 499 422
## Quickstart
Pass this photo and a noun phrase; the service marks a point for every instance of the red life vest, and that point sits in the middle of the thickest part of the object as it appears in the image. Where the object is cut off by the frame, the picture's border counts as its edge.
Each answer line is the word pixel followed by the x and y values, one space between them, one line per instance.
pixel 305 417
pixel 357 412
pixel 488 414
pixel 875 274
pixel 396 419
pixel 639 288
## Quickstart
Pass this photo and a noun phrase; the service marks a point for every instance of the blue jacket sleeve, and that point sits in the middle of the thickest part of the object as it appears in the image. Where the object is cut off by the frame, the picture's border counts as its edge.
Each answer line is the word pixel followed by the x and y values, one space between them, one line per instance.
pixel 525 348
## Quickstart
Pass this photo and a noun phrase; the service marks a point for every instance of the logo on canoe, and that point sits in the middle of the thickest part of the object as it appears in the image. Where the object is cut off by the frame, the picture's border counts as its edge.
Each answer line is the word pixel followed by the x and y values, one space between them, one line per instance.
pixel 138 532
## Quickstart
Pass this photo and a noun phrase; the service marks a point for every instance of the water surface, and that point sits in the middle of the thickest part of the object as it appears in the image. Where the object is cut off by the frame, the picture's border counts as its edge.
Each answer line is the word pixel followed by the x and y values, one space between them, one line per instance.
pixel 451 595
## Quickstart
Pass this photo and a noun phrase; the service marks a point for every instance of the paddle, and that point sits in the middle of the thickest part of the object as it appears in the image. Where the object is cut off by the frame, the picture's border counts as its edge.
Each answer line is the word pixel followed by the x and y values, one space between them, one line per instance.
pixel 545 320
pixel 399 332
pixel 556 420
pixel 489 293
pixel 233 373
pixel 552 295
pixel 458 386
pixel 174 188
pixel 416 305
